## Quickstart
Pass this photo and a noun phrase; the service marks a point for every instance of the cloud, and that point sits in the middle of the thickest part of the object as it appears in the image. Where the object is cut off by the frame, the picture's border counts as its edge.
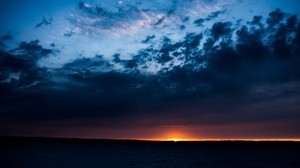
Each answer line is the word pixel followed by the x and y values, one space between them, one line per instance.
pixel 224 60
pixel 45 21
pixel 23 62
pixel 212 16
pixel 96 64
pixel 4 39
pixel 132 17
pixel 221 29
pixel 148 39
pixel 120 19
pixel 275 17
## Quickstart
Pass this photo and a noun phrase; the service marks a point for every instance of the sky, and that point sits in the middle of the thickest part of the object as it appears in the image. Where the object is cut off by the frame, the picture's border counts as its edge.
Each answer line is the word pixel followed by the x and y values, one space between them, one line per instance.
pixel 160 69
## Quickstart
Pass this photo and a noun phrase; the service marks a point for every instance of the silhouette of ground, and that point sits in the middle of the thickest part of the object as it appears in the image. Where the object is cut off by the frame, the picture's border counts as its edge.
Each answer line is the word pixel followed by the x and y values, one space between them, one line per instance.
pixel 20 152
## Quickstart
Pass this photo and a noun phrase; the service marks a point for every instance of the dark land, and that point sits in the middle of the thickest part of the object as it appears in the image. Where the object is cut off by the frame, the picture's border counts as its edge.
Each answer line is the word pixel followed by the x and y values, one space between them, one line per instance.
pixel 21 152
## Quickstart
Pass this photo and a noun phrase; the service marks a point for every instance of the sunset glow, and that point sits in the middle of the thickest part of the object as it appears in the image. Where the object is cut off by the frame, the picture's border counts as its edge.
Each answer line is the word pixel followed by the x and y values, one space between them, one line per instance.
pixel 214 140
pixel 175 136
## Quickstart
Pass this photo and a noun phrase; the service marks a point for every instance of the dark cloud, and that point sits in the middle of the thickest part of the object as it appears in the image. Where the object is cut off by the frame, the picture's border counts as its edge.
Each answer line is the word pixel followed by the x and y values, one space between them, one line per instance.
pixel 275 17
pixel 69 33
pixel 52 44
pixel 148 39
pixel 91 9
pixel 257 20
pixel 221 29
pixel 185 19
pixel 182 27
pixel 212 16
pixel 131 64
pixel 87 66
pixel 159 21
pixel 45 21
pixel 216 14
pixel 32 50
pixel 232 61
pixel 199 22
pixel 22 61
pixel 4 39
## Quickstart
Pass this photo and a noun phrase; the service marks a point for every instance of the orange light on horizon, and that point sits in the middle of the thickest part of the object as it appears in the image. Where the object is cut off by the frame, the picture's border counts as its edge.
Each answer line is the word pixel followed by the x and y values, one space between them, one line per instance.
pixel 215 139
pixel 175 135
pixel 180 135
pixel 186 133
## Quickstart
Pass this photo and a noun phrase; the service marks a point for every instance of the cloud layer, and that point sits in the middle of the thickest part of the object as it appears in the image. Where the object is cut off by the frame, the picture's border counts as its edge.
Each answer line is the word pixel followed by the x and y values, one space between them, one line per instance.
pixel 216 71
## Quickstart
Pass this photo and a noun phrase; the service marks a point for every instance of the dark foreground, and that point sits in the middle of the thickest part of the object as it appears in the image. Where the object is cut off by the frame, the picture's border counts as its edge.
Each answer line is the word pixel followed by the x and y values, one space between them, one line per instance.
pixel 76 153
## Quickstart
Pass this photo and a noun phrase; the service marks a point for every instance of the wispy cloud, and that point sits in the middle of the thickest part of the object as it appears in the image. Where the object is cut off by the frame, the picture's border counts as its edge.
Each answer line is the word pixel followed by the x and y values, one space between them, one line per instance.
pixel 128 18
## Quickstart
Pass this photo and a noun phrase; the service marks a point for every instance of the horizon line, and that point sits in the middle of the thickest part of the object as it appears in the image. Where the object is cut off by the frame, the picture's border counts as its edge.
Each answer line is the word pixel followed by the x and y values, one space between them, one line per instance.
pixel 171 140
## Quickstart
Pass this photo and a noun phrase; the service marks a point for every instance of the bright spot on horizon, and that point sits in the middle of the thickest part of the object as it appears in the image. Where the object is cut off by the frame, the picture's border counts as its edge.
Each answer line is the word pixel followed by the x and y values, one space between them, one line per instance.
pixel 177 135
pixel 176 139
